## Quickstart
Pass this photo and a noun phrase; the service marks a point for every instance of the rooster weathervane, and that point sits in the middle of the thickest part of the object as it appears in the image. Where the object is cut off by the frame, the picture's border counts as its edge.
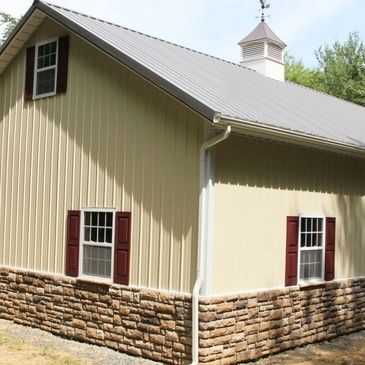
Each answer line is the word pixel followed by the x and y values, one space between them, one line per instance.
pixel 264 7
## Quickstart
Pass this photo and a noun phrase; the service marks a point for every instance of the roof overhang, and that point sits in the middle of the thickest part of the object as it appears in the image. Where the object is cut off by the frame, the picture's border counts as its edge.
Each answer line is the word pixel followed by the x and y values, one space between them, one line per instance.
pixel 20 35
pixel 258 130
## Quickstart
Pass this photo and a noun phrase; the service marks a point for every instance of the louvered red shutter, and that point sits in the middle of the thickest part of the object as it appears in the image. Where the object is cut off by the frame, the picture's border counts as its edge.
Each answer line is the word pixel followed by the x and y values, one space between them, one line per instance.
pixel 73 242
pixel 62 67
pixel 122 247
pixel 330 248
pixel 29 73
pixel 291 266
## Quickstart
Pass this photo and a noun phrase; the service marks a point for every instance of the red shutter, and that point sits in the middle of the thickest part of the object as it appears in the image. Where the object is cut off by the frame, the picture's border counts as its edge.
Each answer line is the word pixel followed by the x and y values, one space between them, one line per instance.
pixel 291 267
pixel 330 248
pixel 29 73
pixel 122 247
pixel 73 242
pixel 62 67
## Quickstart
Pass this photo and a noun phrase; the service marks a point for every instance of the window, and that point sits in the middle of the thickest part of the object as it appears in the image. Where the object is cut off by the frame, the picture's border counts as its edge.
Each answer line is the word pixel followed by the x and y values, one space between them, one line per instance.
pixel 311 247
pixel 97 241
pixel 45 69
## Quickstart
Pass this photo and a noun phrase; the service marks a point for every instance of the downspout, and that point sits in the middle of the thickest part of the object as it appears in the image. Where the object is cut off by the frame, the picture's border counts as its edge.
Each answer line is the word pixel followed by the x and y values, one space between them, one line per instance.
pixel 202 233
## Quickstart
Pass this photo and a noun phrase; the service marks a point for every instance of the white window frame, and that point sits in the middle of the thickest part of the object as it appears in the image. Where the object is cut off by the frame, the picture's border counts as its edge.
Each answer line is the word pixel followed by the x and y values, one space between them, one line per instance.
pixel 36 70
pixel 95 244
pixel 300 249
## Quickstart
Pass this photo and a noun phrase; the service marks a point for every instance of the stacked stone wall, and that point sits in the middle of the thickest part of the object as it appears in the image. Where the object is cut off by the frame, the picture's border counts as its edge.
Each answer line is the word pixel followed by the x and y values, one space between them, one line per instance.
pixel 157 325
pixel 147 323
pixel 240 328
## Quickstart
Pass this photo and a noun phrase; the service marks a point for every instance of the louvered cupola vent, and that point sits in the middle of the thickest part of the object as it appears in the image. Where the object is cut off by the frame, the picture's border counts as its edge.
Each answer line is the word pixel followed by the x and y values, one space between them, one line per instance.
pixel 262 51
pixel 253 51
pixel 275 52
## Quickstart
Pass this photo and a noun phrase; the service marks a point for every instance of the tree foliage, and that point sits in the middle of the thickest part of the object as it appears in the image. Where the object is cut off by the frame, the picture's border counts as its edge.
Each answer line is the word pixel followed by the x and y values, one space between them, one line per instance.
pixel 340 70
pixel 7 24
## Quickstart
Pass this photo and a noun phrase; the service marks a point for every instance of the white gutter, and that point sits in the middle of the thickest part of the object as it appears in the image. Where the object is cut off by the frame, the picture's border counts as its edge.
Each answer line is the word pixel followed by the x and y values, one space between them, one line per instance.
pixel 254 129
pixel 202 234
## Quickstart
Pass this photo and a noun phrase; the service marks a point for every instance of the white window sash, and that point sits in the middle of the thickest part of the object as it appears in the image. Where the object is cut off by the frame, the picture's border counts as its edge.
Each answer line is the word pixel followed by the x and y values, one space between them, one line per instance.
pixel 313 248
pixel 37 70
pixel 84 243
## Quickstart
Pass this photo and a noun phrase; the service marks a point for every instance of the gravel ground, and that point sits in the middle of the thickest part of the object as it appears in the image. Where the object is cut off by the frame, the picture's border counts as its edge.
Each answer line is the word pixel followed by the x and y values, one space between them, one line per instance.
pixel 345 350
pixel 57 350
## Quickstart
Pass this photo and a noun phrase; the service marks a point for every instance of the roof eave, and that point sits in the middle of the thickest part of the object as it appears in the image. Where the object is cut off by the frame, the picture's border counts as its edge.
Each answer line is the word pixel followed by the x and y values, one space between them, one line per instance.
pixel 18 27
pixel 258 130
pixel 263 39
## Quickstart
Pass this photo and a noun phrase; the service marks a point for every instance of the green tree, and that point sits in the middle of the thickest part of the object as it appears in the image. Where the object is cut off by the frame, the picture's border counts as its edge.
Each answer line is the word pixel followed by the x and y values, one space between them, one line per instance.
pixel 295 71
pixel 340 70
pixel 7 24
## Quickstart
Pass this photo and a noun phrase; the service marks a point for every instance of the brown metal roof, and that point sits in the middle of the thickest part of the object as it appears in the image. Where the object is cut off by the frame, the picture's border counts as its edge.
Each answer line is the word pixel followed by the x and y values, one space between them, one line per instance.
pixel 261 32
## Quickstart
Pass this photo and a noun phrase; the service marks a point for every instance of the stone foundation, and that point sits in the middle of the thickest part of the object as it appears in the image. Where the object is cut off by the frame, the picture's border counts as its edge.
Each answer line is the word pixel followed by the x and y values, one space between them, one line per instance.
pixel 157 325
pixel 239 328
pixel 140 322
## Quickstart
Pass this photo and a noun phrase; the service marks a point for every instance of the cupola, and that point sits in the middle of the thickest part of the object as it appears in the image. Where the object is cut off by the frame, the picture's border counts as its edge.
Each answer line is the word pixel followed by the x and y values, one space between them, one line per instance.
pixel 262 50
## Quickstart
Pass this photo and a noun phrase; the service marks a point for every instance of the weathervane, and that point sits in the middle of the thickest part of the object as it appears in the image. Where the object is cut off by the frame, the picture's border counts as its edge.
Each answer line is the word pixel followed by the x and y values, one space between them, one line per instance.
pixel 264 7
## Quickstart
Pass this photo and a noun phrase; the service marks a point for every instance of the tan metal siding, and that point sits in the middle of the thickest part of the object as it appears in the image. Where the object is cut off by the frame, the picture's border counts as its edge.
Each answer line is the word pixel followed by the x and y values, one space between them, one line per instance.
pixel 112 140
pixel 258 184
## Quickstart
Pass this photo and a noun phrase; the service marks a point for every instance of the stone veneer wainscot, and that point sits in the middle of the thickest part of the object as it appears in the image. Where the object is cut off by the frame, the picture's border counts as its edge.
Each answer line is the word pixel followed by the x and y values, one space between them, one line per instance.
pixel 152 324
pixel 157 325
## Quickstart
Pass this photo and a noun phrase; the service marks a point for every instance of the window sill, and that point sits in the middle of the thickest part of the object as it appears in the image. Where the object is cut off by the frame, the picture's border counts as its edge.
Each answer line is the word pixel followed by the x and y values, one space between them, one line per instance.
pixel 93 280
pixel 95 285
pixel 314 284
pixel 42 96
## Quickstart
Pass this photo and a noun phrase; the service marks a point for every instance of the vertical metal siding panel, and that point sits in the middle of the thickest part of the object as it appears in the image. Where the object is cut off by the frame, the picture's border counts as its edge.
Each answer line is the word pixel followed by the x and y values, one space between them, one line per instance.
pixel 4 161
pixel 120 143
pixel 3 108
pixel 276 181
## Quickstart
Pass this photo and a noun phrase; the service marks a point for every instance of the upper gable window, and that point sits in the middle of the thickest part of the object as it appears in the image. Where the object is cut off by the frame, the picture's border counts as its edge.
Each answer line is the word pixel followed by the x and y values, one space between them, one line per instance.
pixel 45 72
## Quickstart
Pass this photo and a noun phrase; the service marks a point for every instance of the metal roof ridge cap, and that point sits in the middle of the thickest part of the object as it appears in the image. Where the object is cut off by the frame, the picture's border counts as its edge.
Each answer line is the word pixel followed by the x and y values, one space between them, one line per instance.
pixel 267 130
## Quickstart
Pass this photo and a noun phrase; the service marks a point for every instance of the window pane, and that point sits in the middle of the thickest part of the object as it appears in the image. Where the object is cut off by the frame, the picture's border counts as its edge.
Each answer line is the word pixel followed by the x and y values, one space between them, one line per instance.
pixel 314 239
pixel 87 218
pixel 97 261
pixel 108 237
pixel 87 234
pixel 302 239
pixel 311 264
pixel 101 219
pixel 46 81
pixel 109 219
pixel 94 218
pixel 94 234
pixel 309 240
pixel 101 234
pixel 315 225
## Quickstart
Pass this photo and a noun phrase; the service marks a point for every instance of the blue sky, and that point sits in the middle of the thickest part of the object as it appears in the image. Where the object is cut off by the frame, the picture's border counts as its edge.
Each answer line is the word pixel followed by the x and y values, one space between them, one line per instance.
pixel 215 26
